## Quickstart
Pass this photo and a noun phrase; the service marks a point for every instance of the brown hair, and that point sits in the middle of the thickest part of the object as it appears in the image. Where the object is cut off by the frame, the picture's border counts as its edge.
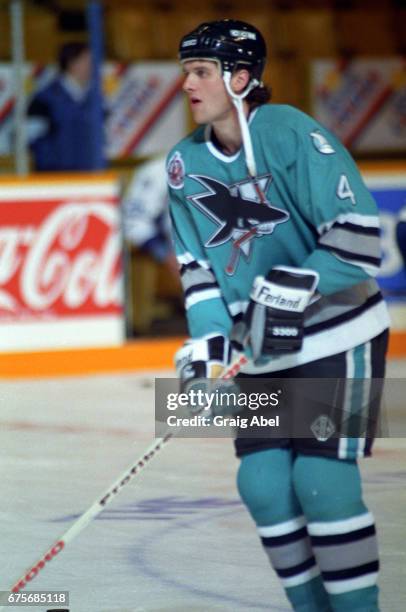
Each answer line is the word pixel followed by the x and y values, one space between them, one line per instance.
pixel 259 95
pixel 69 52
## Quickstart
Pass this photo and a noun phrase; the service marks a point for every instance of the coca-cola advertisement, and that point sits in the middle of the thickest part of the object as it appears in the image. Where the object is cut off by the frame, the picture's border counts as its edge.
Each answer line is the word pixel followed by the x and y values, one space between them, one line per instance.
pixel 60 264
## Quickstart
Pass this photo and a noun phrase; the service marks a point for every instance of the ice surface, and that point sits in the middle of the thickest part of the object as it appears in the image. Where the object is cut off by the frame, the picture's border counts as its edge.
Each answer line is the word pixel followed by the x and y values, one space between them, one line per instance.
pixel 177 538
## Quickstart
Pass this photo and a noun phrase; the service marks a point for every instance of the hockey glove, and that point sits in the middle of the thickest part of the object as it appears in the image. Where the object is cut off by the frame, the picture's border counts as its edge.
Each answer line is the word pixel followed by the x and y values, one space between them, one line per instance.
pixel 275 314
pixel 199 365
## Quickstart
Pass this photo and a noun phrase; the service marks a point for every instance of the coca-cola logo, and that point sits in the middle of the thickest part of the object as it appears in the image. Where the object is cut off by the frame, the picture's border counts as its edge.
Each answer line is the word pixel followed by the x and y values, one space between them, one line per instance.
pixel 69 261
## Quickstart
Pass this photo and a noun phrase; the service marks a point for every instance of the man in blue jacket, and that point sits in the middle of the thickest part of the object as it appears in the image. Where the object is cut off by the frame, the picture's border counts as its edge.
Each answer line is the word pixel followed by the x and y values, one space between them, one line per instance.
pixel 61 119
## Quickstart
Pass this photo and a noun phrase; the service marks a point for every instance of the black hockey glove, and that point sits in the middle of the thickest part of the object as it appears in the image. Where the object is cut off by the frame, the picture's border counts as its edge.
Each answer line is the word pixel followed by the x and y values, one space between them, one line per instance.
pixel 275 314
pixel 199 366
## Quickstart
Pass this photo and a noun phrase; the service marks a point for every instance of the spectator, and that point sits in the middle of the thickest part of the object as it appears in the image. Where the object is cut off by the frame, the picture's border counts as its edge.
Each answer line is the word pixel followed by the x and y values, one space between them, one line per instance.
pixel 61 115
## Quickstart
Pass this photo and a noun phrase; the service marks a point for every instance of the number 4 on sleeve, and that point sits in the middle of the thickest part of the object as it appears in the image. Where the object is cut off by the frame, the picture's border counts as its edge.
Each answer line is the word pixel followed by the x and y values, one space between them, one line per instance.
pixel 344 190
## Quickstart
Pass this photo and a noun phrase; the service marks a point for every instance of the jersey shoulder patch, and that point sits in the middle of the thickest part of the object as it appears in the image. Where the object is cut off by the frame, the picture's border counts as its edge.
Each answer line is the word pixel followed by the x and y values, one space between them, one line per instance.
pixel 176 171
pixel 320 143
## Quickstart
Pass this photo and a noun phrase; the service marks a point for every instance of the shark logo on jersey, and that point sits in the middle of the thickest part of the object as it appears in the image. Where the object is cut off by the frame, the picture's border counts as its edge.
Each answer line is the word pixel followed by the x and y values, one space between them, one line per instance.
pixel 321 143
pixel 237 211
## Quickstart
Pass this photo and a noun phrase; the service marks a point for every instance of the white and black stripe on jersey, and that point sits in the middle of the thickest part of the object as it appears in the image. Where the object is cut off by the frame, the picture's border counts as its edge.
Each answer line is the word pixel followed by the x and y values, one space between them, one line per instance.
pixel 333 324
pixel 198 281
pixel 355 239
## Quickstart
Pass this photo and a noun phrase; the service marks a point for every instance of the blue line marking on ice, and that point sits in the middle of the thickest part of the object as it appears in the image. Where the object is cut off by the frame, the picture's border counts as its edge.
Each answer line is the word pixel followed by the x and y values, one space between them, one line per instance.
pixel 158 509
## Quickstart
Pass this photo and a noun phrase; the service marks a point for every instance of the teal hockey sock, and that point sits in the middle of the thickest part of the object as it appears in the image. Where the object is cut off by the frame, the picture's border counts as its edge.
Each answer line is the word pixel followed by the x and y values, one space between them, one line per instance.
pixel 265 485
pixel 341 529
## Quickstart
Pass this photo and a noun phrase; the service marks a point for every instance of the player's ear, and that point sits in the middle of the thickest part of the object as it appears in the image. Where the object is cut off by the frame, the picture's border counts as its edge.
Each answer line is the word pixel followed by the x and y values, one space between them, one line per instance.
pixel 240 80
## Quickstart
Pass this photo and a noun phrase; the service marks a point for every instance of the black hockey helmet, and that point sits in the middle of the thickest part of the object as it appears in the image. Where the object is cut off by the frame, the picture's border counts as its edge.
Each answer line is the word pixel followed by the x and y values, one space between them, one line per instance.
pixel 229 41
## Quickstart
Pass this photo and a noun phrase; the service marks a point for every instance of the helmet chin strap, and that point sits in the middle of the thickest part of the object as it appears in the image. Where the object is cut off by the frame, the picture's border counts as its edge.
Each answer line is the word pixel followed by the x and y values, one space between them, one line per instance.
pixel 242 119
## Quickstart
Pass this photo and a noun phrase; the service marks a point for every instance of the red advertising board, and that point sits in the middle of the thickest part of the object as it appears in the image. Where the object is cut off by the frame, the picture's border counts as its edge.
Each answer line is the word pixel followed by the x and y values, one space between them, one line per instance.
pixel 60 263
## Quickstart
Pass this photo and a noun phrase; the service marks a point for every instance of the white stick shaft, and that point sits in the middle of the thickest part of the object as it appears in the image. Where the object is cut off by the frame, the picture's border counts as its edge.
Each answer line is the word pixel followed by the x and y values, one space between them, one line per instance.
pixel 107 497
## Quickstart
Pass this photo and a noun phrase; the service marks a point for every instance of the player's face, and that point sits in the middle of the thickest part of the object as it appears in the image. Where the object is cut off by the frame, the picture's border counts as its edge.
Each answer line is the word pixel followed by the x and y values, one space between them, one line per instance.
pixel 204 86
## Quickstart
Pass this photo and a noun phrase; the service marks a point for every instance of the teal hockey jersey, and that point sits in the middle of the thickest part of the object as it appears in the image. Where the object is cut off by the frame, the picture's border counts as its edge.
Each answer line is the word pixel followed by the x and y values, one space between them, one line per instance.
pixel 308 208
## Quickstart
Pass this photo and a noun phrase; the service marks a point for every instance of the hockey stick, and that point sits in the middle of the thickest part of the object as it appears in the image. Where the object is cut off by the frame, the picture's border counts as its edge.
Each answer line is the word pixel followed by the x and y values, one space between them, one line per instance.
pixel 108 496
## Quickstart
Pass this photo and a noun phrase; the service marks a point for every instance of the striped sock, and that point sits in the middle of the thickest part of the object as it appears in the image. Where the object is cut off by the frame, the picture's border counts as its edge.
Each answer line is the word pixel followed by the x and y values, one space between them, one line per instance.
pixel 265 485
pixel 347 554
pixel 289 550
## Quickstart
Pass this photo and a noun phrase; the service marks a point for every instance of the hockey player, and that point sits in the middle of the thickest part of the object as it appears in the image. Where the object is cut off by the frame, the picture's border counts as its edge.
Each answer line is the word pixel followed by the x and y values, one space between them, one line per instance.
pixel 273 225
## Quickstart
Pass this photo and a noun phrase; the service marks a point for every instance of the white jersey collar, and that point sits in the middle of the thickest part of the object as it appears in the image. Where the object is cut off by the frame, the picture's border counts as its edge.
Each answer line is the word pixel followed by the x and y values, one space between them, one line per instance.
pixel 228 159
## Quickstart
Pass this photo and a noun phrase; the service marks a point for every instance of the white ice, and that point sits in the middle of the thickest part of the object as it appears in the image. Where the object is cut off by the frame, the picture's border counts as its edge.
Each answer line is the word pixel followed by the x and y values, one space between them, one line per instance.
pixel 177 538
